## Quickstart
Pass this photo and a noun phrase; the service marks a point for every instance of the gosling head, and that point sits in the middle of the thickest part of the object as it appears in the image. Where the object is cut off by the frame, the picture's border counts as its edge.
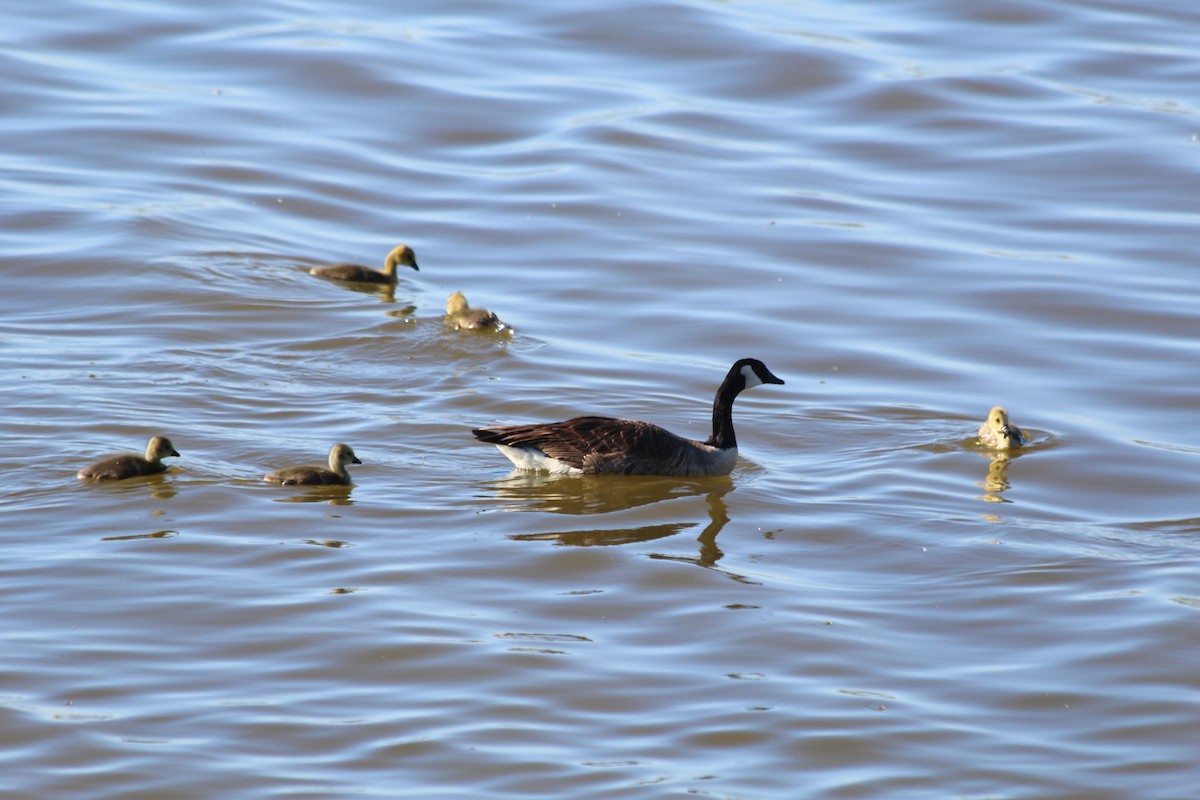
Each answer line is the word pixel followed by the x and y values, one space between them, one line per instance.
pixel 998 420
pixel 456 304
pixel 341 455
pixel 401 255
pixel 160 447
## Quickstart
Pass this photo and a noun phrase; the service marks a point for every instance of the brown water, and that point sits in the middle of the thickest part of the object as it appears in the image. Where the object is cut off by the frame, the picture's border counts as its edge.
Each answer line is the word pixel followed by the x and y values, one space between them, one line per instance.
pixel 911 211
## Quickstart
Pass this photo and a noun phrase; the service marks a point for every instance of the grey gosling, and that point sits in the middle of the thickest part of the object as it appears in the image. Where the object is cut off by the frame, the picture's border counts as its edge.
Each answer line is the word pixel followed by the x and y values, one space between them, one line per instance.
pixel 595 445
pixel 131 465
pixel 401 255
pixel 317 474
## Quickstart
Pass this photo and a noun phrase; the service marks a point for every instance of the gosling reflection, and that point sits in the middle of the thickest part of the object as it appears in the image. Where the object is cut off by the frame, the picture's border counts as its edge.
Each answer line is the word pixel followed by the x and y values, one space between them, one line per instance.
pixel 386 292
pixel 1002 443
pixel 158 487
pixel 995 483
pixel 332 495
pixel 161 488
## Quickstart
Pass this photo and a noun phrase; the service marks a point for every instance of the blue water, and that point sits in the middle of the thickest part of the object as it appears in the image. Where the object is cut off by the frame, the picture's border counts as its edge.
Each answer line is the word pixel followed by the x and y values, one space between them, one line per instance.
pixel 910 211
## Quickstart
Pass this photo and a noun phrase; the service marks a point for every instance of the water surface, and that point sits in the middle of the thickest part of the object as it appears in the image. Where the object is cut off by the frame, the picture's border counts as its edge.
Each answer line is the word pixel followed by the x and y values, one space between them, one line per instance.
pixel 911 211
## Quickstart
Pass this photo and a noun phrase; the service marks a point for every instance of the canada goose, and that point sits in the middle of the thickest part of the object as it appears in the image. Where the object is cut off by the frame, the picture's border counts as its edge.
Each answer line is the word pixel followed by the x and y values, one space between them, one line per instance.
pixel 130 465
pixel 463 317
pixel 401 254
pixel 339 456
pixel 997 433
pixel 630 447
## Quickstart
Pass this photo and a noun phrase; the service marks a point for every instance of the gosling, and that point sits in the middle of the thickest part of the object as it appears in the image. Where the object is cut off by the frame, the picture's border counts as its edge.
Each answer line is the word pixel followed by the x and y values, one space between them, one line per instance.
pixel 998 433
pixel 131 465
pixel 317 474
pixel 463 317
pixel 401 255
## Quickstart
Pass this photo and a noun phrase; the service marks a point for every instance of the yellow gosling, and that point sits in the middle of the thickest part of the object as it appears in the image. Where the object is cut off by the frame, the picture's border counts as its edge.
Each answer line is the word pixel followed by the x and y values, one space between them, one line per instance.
pixel 998 433
pixel 463 317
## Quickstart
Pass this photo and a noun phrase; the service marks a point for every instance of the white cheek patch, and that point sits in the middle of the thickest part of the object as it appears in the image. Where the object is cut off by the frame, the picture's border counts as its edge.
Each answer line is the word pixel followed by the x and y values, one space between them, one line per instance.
pixel 752 378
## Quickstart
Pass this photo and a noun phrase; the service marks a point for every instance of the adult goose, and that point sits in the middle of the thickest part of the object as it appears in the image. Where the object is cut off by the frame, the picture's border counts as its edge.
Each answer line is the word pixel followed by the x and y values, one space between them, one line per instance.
pixel 131 465
pixel 998 433
pixel 401 255
pixel 460 314
pixel 595 445
pixel 317 474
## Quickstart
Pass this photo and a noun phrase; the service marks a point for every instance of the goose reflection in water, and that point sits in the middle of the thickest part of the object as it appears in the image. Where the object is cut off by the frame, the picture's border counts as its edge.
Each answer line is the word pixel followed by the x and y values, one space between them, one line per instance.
pixel 587 496
pixel 591 494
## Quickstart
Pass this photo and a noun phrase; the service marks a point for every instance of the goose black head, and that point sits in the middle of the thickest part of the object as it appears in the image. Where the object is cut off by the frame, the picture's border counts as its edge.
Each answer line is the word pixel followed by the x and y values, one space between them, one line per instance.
pixel 754 373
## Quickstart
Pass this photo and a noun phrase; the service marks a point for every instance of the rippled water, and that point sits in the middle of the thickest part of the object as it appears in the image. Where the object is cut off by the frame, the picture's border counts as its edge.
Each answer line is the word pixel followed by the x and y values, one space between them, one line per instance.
pixel 911 211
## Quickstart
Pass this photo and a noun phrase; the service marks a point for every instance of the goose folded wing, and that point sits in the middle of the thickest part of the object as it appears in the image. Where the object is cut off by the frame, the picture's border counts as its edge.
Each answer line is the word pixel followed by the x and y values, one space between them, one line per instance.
pixel 593 443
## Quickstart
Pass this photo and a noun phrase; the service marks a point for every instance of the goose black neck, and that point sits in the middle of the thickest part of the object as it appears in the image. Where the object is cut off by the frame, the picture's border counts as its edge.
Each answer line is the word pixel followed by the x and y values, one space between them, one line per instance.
pixel 723 437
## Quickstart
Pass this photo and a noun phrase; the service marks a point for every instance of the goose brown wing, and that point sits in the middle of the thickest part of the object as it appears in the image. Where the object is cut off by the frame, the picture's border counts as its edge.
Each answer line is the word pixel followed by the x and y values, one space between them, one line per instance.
pixel 593 444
